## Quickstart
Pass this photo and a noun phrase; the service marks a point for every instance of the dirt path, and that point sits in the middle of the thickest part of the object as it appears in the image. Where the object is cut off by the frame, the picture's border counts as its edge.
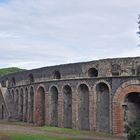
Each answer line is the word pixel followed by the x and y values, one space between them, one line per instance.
pixel 35 130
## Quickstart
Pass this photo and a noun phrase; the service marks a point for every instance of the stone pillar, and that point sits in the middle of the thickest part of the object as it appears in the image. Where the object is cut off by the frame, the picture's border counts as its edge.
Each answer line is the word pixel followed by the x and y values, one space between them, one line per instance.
pixel 47 108
pixel 74 109
pixel 60 109
pixel 91 110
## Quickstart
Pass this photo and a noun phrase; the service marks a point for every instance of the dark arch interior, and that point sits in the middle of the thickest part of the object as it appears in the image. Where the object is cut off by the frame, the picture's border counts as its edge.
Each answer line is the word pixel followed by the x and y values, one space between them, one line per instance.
pixel 3 83
pixel 2 112
pixel 31 78
pixel 57 75
pixel 83 109
pixel 31 105
pixel 138 70
pixel 13 81
pixel 17 103
pixel 103 116
pixel 54 106
pixel 21 105
pixel 41 91
pixel 116 69
pixel 67 106
pixel 132 108
pixel 92 72
pixel 26 105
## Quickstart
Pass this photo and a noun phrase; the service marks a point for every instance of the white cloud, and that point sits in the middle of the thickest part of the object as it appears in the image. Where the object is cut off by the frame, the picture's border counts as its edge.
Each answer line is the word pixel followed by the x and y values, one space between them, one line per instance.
pixel 37 33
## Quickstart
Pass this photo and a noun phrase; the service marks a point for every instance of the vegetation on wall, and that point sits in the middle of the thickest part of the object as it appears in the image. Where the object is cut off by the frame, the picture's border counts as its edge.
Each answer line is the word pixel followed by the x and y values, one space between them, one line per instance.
pixel 5 71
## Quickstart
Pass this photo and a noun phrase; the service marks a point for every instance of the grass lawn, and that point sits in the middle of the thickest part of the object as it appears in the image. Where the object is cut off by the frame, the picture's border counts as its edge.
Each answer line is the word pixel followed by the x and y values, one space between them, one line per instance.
pixel 74 132
pixel 25 131
pixel 17 136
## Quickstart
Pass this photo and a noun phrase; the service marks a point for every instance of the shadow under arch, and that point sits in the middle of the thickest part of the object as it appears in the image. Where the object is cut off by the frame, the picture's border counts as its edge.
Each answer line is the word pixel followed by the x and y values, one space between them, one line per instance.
pixel 40 106
pixel 83 107
pixel 67 94
pixel 54 106
pixel 31 105
pixel 103 107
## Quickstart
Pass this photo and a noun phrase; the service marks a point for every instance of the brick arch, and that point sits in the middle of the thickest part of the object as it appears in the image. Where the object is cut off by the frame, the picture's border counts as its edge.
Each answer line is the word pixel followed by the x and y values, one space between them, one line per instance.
pixel 118 113
pixel 40 105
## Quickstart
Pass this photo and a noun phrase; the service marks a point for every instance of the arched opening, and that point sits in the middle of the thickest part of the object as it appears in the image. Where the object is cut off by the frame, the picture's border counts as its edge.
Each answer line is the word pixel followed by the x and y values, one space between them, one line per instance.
pixel 2 112
pixel 31 105
pixel 116 70
pixel 103 108
pixel 92 72
pixel 138 70
pixel 26 105
pixel 67 106
pixel 17 103
pixel 31 78
pixel 21 105
pixel 13 81
pixel 131 107
pixel 83 107
pixel 57 75
pixel 40 106
pixel 125 103
pixel 3 84
pixel 54 106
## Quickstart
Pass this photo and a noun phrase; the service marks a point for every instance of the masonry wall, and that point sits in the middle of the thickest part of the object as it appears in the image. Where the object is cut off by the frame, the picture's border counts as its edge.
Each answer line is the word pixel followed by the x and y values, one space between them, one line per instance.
pixel 74 95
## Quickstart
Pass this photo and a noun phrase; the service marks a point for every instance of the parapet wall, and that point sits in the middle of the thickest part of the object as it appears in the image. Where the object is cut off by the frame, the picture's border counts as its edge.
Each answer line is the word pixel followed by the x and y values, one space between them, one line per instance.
pixel 100 68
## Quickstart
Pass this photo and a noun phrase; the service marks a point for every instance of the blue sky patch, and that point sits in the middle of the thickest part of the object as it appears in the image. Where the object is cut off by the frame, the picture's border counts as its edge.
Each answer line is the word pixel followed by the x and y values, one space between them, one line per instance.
pixel 3 1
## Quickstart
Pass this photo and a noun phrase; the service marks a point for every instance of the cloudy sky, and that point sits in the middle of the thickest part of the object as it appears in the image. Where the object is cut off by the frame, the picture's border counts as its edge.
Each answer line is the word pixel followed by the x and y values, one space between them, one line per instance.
pixel 36 33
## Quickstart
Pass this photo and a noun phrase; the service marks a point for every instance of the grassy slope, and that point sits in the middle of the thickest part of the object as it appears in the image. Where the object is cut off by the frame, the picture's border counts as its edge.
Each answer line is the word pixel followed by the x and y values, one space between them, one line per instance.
pixel 6 71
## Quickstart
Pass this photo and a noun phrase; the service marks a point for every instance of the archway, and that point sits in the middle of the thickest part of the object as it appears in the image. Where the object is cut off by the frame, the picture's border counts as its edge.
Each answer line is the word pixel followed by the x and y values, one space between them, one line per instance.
pixel 13 82
pixel 116 70
pixel 92 72
pixel 2 112
pixel 17 104
pixel 40 106
pixel 103 108
pixel 131 108
pixel 31 78
pixel 67 92
pixel 21 105
pixel 54 106
pixel 25 105
pixel 57 75
pixel 83 107
pixel 31 105
pixel 125 99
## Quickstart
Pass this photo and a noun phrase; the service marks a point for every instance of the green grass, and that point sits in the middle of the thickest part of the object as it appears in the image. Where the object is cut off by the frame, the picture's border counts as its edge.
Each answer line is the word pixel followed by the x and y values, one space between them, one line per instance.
pixel 75 132
pixel 6 71
pixel 61 133
pixel 17 136
pixel 61 130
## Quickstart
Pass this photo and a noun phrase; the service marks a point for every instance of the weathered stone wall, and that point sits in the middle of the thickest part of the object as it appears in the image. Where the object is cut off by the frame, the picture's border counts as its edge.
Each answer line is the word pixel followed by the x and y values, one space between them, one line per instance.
pixel 82 95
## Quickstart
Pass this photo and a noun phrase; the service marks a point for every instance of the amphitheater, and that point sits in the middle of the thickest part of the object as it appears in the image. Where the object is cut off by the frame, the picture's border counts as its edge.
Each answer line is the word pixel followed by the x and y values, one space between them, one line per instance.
pixel 101 95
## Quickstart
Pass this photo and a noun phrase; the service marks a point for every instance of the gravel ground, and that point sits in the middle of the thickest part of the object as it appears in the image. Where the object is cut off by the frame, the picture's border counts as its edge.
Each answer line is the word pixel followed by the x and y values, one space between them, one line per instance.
pixel 34 130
